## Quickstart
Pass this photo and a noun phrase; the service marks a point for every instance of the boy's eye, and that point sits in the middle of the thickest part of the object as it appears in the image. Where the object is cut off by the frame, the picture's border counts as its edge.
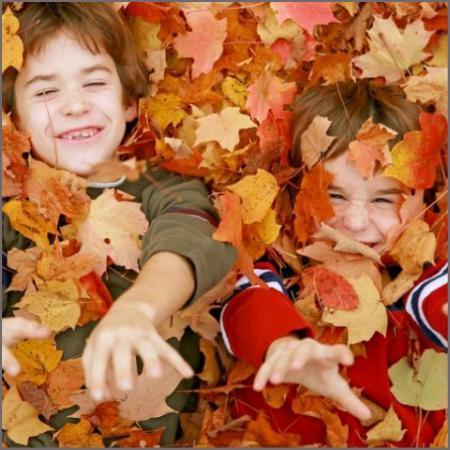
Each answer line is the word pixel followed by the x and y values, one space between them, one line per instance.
pixel 335 196
pixel 382 200
pixel 95 83
pixel 45 92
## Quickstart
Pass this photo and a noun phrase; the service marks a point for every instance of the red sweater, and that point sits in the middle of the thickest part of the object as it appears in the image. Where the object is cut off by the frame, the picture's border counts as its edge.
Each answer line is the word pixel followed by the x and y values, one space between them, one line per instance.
pixel 256 317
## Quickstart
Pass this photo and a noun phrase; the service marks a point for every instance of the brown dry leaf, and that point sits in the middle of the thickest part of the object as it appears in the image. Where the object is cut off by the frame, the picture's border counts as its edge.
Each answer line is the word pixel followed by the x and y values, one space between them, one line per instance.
pixel 12 46
pixel 378 413
pixel 259 432
pixel 79 435
pixel 64 381
pixel 25 218
pixel 211 370
pixel 114 169
pixel 415 247
pixel 36 359
pixel 275 396
pixel 332 68
pixel 53 265
pixel 24 262
pixel 390 429
pixel 57 192
pixel 317 406
pixel 56 304
pixel 345 243
pixel 20 419
pixel 107 419
pixel 141 439
pixel 398 287
pixel 38 398
pixel 308 308
pixel 315 141
pixel 164 109
pixel 240 372
pixel 369 317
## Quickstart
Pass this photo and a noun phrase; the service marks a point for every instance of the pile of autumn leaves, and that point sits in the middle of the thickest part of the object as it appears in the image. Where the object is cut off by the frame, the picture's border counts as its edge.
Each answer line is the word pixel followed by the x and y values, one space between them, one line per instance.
pixel 221 78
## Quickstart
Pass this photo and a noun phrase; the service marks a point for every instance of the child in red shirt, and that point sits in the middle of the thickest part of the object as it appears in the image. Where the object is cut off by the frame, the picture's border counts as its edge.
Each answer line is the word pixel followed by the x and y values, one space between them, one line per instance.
pixel 263 327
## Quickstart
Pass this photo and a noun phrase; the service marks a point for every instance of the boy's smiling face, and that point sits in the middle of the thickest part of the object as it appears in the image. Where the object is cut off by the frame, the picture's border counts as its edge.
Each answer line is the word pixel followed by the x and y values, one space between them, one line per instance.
pixel 70 101
pixel 365 209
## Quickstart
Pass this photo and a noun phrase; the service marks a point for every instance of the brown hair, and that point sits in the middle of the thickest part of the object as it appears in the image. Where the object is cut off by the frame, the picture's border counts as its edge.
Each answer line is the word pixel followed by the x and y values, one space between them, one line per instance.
pixel 96 26
pixel 348 105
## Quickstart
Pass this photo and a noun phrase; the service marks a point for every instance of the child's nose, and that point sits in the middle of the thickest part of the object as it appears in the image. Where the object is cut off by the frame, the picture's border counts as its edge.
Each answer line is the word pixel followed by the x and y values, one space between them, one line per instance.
pixel 356 217
pixel 75 103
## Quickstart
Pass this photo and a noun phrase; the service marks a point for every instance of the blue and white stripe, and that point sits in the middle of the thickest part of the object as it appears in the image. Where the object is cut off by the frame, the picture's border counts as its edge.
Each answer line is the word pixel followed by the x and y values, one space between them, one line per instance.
pixel 416 300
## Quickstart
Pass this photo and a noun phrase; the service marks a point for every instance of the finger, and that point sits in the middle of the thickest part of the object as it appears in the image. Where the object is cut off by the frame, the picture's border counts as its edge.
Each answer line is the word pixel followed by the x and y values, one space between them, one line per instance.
pixel 349 401
pixel 31 330
pixel 86 362
pixel 300 357
pixel 172 357
pixel 339 353
pixel 9 362
pixel 263 375
pixel 281 367
pixel 152 366
pixel 122 358
pixel 98 365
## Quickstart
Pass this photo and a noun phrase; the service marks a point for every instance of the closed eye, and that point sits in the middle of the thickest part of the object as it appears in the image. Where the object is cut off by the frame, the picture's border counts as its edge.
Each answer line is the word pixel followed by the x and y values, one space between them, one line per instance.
pixel 336 196
pixel 95 83
pixel 382 200
pixel 45 92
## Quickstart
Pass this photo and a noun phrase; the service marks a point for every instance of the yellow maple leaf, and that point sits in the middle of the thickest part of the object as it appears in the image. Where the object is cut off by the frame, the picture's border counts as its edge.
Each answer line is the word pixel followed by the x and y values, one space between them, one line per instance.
pixel 24 217
pixel 223 127
pixel 145 34
pixel 12 46
pixel 415 247
pixel 164 109
pixel 270 29
pixel 259 234
pixel 369 317
pixel 235 90
pixel 36 359
pixel 112 229
pixel 392 50
pixel 79 435
pixel 257 193
pixel 56 304
pixel 440 54
pixel 389 429
pixel 20 419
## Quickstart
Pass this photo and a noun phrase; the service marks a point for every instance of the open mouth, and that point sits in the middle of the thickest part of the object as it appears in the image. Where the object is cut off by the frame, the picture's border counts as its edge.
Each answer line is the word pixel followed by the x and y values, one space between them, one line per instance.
pixel 80 135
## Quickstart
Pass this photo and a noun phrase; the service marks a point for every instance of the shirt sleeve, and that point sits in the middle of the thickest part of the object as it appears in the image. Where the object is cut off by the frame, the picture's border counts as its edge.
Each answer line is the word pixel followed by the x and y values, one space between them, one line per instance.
pixel 255 317
pixel 182 220
pixel 425 301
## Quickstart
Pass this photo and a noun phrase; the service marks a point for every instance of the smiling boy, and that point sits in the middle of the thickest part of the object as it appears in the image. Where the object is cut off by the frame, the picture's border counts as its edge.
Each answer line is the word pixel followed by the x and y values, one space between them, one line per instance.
pixel 74 96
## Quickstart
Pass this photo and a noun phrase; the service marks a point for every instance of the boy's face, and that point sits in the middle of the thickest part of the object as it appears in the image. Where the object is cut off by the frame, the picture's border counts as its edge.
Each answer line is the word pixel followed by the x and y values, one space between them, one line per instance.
pixel 70 102
pixel 364 209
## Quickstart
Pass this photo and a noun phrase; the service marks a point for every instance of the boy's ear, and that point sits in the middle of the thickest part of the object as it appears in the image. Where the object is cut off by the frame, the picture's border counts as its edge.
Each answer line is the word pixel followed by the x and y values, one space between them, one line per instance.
pixel 131 110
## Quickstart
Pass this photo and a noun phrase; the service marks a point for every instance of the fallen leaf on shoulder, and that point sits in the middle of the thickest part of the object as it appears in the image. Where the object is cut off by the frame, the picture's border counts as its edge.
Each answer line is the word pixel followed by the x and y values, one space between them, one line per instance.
pixel 113 169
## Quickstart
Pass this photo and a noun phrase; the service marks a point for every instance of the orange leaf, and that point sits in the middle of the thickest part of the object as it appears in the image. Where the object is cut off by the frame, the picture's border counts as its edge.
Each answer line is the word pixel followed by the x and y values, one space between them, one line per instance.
pixel 261 433
pixel 312 204
pixel 240 372
pixel 108 421
pixel 79 435
pixel 64 381
pixel 230 230
pixel 333 290
pixel 141 439
pixel 14 145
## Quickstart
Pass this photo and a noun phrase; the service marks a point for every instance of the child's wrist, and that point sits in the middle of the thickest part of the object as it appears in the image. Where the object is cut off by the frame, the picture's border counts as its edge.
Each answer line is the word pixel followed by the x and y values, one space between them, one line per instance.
pixel 139 306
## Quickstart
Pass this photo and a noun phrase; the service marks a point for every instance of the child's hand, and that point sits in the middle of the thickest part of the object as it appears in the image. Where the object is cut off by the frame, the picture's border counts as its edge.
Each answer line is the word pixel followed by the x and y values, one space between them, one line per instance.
pixel 16 329
pixel 313 365
pixel 125 331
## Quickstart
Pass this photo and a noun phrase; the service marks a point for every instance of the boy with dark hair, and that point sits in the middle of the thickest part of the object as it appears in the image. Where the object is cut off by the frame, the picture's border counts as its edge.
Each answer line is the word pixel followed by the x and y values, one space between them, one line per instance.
pixel 75 94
